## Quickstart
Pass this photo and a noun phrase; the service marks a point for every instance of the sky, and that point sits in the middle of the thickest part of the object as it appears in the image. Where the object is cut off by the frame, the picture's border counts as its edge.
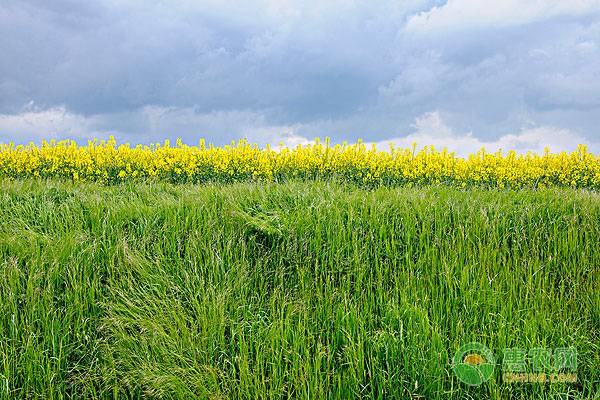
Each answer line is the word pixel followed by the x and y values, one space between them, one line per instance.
pixel 466 74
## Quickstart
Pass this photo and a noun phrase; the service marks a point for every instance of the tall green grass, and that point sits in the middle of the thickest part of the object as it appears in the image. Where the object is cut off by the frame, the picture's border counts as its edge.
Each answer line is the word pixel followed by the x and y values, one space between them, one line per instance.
pixel 297 290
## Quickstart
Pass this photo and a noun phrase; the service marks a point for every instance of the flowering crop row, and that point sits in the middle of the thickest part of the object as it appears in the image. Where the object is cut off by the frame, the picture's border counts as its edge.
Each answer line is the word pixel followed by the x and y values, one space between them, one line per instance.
pixel 105 161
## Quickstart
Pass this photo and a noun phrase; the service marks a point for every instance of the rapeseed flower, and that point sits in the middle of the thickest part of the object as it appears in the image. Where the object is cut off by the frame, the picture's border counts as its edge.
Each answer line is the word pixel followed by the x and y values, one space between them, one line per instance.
pixel 105 161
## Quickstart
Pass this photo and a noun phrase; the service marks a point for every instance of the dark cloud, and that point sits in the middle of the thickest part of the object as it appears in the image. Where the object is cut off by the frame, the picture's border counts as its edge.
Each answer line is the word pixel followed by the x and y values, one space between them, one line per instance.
pixel 155 69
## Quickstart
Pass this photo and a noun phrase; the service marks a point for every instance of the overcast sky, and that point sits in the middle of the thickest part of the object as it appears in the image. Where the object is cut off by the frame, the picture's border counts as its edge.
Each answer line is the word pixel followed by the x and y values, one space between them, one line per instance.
pixel 517 74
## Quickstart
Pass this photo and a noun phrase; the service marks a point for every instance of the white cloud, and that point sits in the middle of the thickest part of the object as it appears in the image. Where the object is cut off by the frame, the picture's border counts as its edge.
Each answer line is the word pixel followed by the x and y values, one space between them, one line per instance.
pixel 431 129
pixel 52 123
pixel 465 14
pixel 154 123
pixel 146 125
pixel 274 135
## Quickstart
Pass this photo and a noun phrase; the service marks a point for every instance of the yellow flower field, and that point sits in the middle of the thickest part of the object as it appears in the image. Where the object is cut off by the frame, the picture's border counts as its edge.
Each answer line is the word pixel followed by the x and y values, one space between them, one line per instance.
pixel 106 161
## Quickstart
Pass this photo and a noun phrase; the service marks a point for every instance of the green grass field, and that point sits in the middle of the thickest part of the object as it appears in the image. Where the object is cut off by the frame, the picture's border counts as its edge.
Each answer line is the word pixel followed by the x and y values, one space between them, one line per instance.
pixel 298 290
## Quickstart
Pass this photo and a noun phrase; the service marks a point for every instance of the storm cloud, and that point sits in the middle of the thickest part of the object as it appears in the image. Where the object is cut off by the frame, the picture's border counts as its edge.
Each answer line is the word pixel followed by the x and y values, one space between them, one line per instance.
pixel 464 73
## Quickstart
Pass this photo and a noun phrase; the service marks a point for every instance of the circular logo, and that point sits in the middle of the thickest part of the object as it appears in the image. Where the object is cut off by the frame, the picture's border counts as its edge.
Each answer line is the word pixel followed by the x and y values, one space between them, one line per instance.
pixel 473 364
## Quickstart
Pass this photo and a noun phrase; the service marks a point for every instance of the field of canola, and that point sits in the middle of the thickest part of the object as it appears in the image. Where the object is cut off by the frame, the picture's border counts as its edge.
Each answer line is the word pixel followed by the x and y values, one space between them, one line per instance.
pixel 108 162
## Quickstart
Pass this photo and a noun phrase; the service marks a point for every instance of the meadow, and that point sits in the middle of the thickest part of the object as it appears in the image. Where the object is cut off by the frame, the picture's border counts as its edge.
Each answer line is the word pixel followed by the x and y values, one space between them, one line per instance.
pixel 313 289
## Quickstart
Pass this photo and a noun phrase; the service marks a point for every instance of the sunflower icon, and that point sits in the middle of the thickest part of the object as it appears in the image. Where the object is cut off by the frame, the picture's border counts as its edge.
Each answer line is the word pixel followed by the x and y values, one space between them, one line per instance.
pixel 473 364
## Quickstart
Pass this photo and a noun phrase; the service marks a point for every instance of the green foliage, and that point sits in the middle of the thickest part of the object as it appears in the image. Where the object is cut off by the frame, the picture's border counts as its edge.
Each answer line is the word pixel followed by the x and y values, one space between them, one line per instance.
pixel 292 290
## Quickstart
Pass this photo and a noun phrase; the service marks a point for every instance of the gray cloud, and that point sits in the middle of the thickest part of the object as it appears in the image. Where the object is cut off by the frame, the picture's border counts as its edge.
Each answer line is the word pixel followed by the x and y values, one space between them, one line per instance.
pixel 153 70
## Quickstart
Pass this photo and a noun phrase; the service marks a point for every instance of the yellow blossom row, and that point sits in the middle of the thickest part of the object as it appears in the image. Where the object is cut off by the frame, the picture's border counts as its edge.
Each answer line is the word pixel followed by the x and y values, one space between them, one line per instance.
pixel 105 161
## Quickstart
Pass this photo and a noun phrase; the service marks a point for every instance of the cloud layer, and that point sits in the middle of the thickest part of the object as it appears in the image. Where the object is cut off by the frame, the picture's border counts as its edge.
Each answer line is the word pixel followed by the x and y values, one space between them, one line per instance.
pixel 469 14
pixel 463 73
